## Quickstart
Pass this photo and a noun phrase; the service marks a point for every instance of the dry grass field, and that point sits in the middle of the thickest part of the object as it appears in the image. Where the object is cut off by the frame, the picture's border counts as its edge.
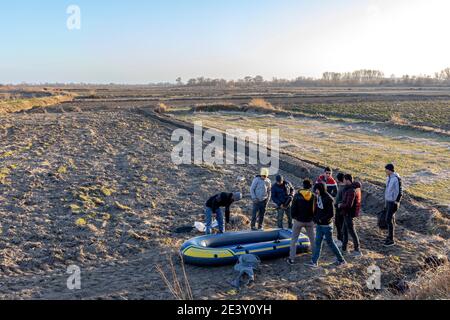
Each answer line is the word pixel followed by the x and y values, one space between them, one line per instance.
pixel 363 149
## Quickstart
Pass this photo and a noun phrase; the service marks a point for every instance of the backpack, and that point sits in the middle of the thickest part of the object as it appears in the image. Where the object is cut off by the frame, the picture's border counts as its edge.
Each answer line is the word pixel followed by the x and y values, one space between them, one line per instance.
pixel 357 204
pixel 400 189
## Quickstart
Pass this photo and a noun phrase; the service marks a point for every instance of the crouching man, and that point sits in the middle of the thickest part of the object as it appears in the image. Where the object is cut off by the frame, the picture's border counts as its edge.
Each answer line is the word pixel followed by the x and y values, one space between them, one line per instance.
pixel 214 204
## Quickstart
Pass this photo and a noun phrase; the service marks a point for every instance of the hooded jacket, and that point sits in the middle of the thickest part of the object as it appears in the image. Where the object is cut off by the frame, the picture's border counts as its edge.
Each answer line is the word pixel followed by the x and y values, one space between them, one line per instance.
pixel 282 194
pixel 394 189
pixel 221 200
pixel 332 187
pixel 324 210
pixel 340 195
pixel 303 206
pixel 351 201
pixel 260 189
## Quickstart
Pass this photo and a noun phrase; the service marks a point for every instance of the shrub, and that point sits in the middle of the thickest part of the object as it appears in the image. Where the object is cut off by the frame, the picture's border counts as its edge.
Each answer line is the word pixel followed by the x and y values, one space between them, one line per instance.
pixel 162 108
pixel 214 107
pixel 432 285
pixel 258 104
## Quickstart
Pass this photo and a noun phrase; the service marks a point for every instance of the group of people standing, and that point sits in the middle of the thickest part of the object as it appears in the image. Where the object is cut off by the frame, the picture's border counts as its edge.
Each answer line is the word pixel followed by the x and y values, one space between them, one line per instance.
pixel 316 207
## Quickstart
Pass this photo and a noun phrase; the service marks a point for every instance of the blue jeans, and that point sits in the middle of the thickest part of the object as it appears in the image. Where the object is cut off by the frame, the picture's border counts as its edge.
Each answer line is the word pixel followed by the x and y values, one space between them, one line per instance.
pixel 219 217
pixel 327 233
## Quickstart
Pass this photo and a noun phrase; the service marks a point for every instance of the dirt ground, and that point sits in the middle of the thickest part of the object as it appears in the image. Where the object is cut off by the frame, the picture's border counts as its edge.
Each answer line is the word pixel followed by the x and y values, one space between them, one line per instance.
pixel 96 188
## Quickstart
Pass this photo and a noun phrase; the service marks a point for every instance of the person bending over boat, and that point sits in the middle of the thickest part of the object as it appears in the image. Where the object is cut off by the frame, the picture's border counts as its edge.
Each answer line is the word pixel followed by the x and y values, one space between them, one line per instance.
pixel 214 204
pixel 261 193
pixel 302 213
pixel 323 217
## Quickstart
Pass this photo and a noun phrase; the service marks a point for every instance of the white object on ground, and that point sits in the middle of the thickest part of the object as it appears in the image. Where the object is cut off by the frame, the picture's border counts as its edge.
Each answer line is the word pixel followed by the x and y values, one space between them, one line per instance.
pixel 201 227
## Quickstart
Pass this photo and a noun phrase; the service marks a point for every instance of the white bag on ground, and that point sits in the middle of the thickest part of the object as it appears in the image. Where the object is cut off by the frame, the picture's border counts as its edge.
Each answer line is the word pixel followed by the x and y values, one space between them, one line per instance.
pixel 201 227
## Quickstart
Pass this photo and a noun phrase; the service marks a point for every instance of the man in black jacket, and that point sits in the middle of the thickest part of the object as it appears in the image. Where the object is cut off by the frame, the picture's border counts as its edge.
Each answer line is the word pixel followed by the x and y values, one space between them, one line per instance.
pixel 339 218
pixel 302 213
pixel 214 204
pixel 282 195
pixel 323 217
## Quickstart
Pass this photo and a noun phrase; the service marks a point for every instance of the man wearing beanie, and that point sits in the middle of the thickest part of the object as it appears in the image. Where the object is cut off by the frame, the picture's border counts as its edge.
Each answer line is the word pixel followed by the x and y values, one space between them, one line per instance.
pixel 260 192
pixel 214 204
pixel 393 195
pixel 282 196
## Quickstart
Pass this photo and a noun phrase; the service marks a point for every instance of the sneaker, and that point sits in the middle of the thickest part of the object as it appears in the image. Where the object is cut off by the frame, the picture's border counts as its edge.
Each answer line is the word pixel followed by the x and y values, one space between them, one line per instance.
pixel 311 265
pixel 290 262
pixel 389 243
pixel 339 243
pixel 357 254
pixel 339 263
pixel 254 229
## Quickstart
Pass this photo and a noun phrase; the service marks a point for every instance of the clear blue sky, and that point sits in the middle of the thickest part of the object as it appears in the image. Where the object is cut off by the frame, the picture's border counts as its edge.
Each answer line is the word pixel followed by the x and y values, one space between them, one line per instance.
pixel 159 40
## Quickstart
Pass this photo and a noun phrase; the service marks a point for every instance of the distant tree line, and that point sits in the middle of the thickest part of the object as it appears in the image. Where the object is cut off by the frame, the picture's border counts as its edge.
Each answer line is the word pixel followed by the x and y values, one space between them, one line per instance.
pixel 356 78
pixel 364 77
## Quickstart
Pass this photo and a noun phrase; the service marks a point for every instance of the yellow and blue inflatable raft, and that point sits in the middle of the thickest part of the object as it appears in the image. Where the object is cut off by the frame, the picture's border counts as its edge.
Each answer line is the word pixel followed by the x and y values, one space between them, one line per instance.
pixel 223 249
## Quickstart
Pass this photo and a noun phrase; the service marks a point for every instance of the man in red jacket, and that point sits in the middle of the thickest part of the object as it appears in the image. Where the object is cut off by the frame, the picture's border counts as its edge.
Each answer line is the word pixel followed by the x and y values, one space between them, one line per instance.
pixel 350 209
pixel 328 180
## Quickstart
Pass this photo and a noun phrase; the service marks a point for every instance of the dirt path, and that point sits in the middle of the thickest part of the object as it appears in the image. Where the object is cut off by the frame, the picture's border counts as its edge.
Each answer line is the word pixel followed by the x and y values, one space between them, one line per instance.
pixel 112 169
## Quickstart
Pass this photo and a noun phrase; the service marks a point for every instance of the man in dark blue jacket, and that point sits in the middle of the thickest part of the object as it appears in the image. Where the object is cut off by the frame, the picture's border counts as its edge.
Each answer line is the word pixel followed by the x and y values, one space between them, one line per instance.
pixel 214 204
pixel 282 196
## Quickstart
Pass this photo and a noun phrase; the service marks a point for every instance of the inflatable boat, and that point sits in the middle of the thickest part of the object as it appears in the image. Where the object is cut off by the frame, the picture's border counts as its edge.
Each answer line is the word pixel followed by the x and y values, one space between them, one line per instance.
pixel 223 249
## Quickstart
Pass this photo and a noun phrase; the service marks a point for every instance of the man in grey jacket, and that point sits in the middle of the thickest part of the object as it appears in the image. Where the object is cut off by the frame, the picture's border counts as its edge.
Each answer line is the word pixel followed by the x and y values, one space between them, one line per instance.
pixel 393 195
pixel 260 192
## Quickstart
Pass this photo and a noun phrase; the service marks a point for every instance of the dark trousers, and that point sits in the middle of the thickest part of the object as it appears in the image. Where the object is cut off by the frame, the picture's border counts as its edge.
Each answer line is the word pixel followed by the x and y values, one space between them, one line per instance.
pixel 281 212
pixel 349 228
pixel 391 210
pixel 339 223
pixel 259 210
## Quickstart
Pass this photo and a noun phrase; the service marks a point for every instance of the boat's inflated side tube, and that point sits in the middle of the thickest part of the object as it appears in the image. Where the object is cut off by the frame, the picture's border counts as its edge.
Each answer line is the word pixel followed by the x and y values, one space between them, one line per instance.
pixel 223 249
